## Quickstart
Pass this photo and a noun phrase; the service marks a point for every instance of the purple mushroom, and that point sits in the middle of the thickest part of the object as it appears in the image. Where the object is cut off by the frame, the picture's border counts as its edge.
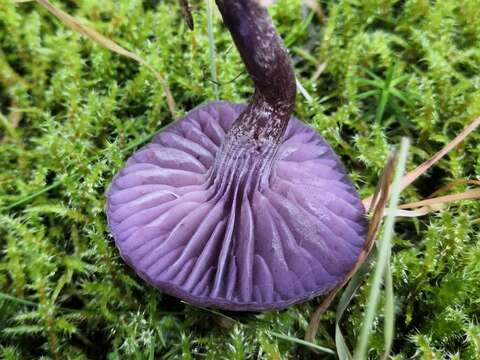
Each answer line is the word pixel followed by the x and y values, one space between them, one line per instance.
pixel 240 207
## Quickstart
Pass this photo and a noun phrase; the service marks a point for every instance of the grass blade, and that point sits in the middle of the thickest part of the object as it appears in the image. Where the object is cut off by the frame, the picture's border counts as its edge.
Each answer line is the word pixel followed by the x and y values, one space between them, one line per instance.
pixel 345 299
pixel 383 256
pixel 377 210
pixel 14 299
pixel 211 47
pixel 425 207
pixel 303 342
pixel 7 297
pixel 347 296
pixel 303 91
pixel 31 196
pixel 373 75
pixel 384 97
pixel 57 183
pixel 443 200
pixel 367 94
pixel 136 144
pixel 451 185
pixel 389 311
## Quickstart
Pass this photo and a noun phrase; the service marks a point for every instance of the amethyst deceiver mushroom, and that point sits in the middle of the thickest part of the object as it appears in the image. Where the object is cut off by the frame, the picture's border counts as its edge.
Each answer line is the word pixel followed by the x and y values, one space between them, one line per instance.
pixel 240 207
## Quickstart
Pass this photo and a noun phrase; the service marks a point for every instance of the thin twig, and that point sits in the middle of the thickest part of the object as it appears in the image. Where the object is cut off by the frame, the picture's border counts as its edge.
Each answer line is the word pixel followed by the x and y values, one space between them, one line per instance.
pixel 187 13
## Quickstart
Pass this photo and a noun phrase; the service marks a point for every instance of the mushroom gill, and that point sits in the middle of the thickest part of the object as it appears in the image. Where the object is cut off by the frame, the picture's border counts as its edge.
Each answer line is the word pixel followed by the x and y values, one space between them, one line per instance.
pixel 240 207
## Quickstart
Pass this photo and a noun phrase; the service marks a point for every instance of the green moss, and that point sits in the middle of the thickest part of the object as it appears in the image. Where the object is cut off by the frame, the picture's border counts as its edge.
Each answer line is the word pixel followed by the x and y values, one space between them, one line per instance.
pixel 71 112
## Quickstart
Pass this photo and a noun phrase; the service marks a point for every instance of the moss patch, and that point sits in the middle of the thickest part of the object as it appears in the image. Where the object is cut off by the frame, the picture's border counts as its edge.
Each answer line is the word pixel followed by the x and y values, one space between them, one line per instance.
pixel 71 112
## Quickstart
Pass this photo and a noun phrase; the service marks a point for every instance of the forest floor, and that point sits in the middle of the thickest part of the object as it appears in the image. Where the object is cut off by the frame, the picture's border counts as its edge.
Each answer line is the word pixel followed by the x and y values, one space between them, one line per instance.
pixel 71 113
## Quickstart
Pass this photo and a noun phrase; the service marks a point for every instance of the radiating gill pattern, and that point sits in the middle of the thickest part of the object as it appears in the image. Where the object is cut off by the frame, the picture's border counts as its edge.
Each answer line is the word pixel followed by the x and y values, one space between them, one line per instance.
pixel 227 242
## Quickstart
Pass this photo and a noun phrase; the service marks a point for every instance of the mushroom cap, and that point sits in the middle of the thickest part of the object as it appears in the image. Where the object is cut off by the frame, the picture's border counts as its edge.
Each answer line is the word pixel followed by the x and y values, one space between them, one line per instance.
pixel 236 244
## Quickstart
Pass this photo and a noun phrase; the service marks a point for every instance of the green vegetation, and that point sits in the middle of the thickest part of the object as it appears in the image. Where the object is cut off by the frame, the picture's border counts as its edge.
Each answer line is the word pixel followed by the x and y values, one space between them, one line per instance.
pixel 71 112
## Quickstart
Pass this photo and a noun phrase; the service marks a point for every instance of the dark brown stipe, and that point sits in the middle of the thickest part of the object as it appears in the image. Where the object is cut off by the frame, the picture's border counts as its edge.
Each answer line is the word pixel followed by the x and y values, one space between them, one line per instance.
pixel 270 67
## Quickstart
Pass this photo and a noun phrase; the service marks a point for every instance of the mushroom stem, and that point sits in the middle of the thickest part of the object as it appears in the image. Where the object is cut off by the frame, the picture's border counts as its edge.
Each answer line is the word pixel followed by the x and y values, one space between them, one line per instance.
pixel 269 66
